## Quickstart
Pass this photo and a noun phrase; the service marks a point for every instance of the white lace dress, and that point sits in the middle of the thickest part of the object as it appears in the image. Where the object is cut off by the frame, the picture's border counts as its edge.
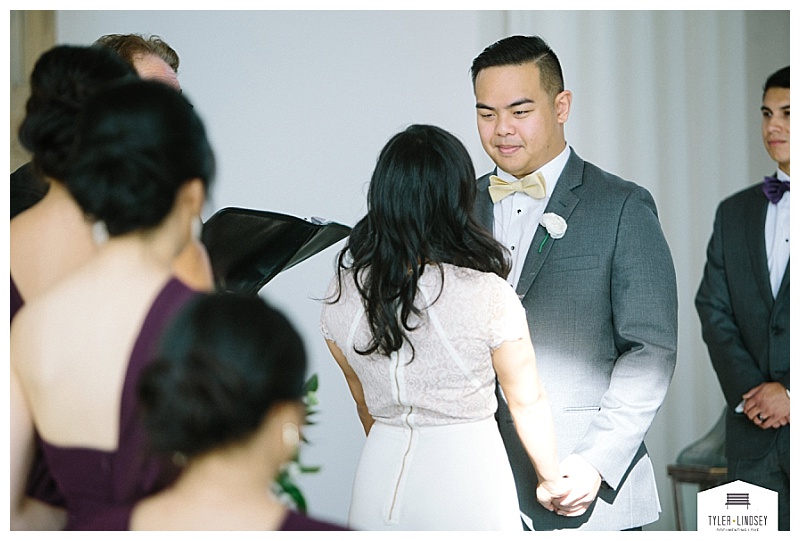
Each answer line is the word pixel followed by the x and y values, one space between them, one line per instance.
pixel 434 459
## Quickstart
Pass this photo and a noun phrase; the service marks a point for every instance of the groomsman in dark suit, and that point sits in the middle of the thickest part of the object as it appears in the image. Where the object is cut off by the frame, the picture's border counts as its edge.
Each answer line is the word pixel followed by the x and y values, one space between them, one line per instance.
pixel 595 275
pixel 743 303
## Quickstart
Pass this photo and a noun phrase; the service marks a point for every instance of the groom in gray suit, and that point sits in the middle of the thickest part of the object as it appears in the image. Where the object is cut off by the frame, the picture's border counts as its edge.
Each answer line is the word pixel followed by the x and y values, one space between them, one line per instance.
pixel 594 272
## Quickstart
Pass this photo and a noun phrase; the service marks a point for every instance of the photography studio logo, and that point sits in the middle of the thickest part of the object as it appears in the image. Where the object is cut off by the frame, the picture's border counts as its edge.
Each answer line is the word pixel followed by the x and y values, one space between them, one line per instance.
pixel 737 507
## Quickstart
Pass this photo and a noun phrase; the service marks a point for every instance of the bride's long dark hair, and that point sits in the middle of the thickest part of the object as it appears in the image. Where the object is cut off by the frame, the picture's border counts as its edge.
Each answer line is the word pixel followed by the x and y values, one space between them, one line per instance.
pixel 420 213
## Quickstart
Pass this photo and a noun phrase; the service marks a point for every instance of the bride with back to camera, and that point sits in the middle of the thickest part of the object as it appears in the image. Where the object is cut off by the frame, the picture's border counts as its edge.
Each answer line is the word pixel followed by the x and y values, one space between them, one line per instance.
pixel 423 324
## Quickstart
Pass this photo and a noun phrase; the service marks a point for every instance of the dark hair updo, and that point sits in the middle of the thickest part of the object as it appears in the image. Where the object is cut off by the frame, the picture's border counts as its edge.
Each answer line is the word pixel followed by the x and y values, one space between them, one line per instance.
pixel 62 80
pixel 223 362
pixel 137 144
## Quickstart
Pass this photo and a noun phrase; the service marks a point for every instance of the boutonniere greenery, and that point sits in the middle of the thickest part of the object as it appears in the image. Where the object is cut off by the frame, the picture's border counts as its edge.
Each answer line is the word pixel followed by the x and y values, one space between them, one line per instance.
pixel 556 227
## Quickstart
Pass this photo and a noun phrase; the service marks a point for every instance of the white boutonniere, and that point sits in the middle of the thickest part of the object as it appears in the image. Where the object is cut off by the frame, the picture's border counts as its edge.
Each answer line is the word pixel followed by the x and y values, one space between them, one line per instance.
pixel 556 227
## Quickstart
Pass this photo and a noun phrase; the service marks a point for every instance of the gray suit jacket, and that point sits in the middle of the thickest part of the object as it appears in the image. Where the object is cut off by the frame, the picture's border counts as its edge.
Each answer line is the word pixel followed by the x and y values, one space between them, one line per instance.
pixel 746 330
pixel 601 304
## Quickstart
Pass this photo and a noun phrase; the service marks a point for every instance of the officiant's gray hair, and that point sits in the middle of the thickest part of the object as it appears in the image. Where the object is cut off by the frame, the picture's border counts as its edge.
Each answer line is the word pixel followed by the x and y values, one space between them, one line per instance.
pixel 130 46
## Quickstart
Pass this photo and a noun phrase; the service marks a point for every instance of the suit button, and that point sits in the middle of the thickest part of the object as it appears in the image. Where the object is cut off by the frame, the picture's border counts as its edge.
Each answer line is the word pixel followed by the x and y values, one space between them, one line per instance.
pixel 777 330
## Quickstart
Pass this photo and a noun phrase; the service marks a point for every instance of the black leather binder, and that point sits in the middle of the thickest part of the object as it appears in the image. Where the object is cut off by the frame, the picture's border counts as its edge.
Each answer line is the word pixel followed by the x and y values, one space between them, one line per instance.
pixel 248 248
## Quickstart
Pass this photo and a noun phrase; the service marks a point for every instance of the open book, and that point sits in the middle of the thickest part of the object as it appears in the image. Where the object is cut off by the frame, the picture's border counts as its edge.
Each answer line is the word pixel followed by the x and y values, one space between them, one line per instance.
pixel 248 248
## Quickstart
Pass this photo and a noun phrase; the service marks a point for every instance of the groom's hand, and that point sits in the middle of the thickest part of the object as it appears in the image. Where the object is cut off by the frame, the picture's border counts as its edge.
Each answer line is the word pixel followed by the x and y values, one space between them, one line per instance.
pixel 584 481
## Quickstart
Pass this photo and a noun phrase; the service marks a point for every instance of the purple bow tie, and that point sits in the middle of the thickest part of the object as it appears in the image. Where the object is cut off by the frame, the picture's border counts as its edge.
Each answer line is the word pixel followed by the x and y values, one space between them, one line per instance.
pixel 774 188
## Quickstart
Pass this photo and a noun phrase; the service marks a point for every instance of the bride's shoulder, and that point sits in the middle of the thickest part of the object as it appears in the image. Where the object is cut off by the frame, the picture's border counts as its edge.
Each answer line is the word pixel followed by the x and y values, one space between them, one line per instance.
pixel 475 276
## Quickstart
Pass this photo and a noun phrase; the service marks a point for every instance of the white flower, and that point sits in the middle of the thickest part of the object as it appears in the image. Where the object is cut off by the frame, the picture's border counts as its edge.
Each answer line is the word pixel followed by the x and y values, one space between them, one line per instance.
pixel 556 225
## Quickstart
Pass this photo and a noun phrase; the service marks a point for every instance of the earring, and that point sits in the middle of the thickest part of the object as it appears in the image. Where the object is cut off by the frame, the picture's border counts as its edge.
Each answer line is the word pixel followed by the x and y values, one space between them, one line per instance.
pixel 291 435
pixel 179 459
pixel 99 233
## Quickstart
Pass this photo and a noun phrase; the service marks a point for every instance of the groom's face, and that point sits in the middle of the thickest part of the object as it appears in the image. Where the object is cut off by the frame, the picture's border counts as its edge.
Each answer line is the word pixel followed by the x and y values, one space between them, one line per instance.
pixel 520 125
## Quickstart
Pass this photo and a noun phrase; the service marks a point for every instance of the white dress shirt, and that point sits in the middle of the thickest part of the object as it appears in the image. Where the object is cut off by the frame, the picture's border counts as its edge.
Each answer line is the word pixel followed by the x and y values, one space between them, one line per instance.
pixel 776 236
pixel 516 217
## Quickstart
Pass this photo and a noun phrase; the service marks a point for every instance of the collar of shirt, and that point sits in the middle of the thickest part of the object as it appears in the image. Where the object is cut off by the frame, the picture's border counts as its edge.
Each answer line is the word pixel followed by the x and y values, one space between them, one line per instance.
pixel 776 236
pixel 551 171
pixel 784 202
pixel 517 217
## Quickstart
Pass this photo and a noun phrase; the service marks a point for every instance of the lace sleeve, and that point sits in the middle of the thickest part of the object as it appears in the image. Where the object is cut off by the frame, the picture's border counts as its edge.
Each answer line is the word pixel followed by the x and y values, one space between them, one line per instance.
pixel 507 321
pixel 326 311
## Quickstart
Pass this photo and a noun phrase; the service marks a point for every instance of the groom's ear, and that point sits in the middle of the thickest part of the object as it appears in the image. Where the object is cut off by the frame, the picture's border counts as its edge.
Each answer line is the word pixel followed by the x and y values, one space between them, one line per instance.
pixel 562 105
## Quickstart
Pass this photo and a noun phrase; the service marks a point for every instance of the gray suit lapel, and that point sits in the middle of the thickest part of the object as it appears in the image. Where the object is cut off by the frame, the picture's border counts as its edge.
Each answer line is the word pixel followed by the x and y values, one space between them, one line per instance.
pixel 562 202
pixel 484 208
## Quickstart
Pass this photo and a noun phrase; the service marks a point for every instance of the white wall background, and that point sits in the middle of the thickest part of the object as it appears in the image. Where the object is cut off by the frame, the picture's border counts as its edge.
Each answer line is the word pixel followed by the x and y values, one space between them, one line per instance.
pixel 299 103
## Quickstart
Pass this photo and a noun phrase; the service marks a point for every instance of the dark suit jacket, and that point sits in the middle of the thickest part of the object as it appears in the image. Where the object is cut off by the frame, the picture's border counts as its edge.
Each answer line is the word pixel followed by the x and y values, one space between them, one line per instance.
pixel 27 189
pixel 745 329
pixel 601 304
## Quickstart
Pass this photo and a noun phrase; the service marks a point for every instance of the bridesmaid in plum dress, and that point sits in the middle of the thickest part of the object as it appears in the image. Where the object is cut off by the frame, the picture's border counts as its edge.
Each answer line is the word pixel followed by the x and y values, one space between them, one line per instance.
pixel 225 392
pixel 142 165
pixel 53 237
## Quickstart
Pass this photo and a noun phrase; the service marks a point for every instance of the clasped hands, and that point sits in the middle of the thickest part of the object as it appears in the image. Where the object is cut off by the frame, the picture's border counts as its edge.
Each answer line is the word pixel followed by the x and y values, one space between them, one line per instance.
pixel 571 495
pixel 767 405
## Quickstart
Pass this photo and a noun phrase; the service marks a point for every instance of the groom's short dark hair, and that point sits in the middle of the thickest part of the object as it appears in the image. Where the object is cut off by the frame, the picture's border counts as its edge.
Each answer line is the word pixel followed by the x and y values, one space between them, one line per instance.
pixel 518 50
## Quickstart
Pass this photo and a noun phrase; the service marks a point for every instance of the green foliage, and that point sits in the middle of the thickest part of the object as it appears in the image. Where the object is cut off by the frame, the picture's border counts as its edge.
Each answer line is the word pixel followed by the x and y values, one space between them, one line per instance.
pixel 285 486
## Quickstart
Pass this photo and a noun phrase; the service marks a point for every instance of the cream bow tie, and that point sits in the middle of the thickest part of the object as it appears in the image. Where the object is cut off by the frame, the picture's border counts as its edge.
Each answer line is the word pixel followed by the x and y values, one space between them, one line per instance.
pixel 532 185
